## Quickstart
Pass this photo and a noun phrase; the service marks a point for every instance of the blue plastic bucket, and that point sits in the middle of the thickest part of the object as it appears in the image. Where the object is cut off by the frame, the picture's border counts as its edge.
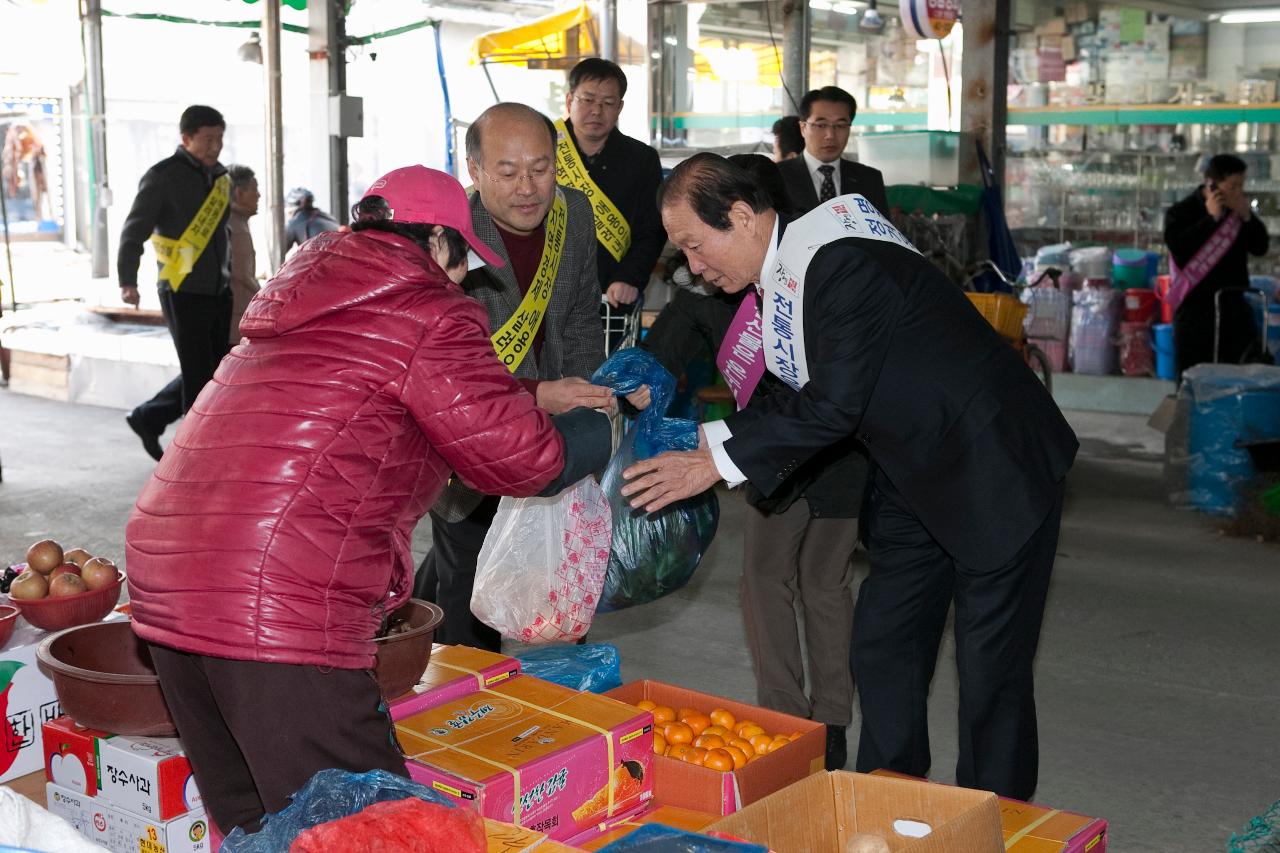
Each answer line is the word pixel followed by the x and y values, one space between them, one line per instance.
pixel 1166 363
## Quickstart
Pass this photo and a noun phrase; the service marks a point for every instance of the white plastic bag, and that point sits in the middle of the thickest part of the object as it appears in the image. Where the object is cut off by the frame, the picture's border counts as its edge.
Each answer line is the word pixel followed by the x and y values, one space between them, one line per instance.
pixel 542 566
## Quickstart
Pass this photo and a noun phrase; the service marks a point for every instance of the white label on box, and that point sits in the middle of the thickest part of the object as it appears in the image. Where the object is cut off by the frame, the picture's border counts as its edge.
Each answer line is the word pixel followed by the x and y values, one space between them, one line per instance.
pixel 27 702
pixel 130 833
pixel 86 814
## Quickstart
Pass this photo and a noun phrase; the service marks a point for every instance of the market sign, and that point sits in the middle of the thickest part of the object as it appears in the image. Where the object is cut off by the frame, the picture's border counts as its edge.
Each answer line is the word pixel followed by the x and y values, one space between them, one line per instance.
pixel 929 19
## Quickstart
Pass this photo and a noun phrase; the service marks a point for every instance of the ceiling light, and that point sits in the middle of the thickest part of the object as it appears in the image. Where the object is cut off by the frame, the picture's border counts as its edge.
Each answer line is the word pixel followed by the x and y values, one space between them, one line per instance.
pixel 251 51
pixel 1250 16
pixel 872 21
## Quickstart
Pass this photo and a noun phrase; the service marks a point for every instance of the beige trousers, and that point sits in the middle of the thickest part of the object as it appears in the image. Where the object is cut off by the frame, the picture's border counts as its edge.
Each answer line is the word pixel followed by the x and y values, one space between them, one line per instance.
pixel 790 555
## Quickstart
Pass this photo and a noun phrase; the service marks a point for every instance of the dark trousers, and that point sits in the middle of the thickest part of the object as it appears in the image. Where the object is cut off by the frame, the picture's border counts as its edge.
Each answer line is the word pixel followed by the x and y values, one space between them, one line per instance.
pixel 900 615
pixel 448 573
pixel 1193 331
pixel 199 325
pixel 257 732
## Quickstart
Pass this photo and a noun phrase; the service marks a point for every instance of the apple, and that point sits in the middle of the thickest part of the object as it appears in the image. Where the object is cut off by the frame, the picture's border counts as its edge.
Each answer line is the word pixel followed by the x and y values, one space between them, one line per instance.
pixel 28 586
pixel 65 569
pixel 79 556
pixel 99 572
pixel 66 584
pixel 44 556
pixel 68 771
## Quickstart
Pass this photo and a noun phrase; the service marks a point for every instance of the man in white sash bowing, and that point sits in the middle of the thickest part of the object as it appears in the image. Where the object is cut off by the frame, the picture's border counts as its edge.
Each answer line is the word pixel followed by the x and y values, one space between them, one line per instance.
pixel 969 456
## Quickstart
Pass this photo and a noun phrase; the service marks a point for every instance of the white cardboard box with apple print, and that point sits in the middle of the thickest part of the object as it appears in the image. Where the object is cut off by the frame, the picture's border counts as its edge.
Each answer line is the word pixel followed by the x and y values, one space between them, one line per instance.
pixel 122 832
pixel 27 702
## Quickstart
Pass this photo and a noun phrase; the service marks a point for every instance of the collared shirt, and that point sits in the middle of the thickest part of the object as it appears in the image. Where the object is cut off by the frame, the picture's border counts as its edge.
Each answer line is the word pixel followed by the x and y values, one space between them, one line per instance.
pixel 717 432
pixel 812 163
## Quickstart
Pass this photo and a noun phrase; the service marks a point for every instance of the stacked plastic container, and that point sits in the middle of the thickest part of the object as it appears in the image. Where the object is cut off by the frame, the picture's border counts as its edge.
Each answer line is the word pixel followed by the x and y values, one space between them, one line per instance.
pixel 1049 307
pixel 1095 319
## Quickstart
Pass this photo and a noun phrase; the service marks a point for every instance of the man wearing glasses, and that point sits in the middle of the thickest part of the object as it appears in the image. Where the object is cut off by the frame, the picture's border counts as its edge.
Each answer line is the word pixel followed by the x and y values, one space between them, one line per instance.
pixel 544 317
pixel 620 176
pixel 821 173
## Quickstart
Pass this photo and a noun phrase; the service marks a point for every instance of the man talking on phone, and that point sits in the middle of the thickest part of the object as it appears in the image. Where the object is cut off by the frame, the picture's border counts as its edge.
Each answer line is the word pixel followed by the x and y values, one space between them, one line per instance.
pixel 1210 235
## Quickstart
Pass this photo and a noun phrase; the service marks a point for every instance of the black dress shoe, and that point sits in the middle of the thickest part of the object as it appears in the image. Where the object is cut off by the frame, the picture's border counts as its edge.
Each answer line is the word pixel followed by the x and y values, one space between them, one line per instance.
pixel 837 750
pixel 150 440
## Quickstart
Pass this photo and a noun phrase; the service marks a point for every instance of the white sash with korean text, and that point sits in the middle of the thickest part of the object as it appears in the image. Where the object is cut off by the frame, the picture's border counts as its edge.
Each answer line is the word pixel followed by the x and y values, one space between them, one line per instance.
pixel 783 291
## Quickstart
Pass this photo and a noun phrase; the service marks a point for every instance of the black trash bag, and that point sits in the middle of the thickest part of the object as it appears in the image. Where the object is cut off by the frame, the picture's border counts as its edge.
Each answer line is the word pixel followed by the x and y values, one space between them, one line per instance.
pixel 652 554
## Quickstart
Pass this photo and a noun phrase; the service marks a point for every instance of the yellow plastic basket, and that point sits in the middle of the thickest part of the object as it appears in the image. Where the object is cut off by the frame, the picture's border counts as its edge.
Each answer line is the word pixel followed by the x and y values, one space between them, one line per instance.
pixel 1004 312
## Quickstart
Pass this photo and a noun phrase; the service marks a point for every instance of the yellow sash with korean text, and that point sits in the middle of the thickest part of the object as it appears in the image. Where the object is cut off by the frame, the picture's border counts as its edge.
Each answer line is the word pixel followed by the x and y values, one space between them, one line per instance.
pixel 612 229
pixel 178 257
pixel 514 339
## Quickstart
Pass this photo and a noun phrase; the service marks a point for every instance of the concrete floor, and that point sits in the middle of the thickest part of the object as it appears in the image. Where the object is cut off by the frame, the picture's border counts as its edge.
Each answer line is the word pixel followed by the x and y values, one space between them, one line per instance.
pixel 1157 675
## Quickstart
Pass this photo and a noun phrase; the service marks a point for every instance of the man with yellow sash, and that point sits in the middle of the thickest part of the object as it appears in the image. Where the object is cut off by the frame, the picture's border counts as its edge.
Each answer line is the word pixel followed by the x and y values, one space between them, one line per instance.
pixel 618 174
pixel 181 208
pixel 543 308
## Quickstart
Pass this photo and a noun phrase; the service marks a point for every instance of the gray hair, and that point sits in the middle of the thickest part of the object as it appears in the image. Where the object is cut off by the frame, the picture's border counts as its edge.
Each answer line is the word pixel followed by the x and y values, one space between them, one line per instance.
pixel 240 176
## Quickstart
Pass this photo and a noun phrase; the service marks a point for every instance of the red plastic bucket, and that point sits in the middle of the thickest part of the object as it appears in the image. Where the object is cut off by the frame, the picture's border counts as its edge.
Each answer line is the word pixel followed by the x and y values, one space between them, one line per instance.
pixel 1139 305
pixel 1162 293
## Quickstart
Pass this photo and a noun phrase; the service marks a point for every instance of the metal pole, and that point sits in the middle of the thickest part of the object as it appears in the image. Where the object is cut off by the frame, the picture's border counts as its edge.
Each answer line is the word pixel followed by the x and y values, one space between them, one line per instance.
pixel 100 189
pixel 609 30
pixel 275 137
pixel 8 252
pixel 984 105
pixel 337 50
pixel 795 50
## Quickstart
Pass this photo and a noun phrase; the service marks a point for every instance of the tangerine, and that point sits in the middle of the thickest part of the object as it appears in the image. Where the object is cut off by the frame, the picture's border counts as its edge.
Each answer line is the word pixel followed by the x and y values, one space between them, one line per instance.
pixel 695 755
pixel 745 745
pixel 686 712
pixel 717 730
pixel 750 730
pixel 778 743
pixel 742 724
pixel 760 743
pixel 707 741
pixel 718 759
pixel 646 705
pixel 662 715
pixel 697 722
pixel 721 717
pixel 659 744
pixel 678 733
pixel 739 757
pixel 678 751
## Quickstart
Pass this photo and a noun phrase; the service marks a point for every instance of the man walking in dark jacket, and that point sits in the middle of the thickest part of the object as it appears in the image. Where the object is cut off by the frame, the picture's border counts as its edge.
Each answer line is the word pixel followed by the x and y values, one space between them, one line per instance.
pixel 619 175
pixel 1210 235
pixel 969 456
pixel 182 207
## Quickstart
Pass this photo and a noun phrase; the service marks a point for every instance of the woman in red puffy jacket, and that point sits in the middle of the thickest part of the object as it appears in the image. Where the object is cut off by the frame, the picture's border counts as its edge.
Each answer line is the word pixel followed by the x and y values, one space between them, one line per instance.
pixel 274 535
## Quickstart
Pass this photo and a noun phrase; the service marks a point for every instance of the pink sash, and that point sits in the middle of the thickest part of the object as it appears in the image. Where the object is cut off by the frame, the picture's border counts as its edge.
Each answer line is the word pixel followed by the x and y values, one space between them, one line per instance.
pixel 741 355
pixel 1183 281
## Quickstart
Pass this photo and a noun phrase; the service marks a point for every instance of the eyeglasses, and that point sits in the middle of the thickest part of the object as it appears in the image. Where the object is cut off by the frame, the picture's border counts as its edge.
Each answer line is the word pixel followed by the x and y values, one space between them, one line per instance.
pixel 590 103
pixel 536 175
pixel 823 127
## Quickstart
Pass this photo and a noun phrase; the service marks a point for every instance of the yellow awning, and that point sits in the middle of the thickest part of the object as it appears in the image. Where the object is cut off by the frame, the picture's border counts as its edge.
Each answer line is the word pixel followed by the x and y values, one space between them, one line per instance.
pixel 570 34
pixel 743 62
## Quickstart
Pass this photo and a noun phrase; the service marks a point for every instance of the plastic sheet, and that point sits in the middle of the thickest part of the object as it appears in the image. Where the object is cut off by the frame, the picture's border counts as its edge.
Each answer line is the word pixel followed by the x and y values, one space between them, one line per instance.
pixel 1137 355
pixel 652 554
pixel 542 565
pixel 1048 312
pixel 1227 405
pixel 593 667
pixel 1095 318
pixel 656 838
pixel 1262 835
pixel 1091 262
pixel 329 795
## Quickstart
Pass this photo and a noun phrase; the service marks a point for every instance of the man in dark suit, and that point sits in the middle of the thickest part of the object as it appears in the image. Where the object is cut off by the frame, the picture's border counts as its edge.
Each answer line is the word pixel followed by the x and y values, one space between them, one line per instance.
pixel 539 230
pixel 969 456
pixel 821 172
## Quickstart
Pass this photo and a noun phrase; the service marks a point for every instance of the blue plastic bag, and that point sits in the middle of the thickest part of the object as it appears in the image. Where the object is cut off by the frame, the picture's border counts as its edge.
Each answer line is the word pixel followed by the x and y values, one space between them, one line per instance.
pixel 593 667
pixel 329 795
pixel 656 838
pixel 652 554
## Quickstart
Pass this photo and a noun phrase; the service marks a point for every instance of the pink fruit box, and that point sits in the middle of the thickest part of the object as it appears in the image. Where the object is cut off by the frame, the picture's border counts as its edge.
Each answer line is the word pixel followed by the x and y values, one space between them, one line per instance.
pixel 535 754
pixel 454 671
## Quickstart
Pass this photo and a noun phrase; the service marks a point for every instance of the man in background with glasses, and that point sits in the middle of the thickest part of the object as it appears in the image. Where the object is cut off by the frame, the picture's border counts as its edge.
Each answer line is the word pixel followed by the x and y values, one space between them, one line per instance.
pixel 821 173
pixel 620 176
pixel 544 317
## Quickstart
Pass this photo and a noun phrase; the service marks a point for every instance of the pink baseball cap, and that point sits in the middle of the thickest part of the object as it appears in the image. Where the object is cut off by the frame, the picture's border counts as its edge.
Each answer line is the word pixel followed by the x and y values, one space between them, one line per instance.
pixel 426 196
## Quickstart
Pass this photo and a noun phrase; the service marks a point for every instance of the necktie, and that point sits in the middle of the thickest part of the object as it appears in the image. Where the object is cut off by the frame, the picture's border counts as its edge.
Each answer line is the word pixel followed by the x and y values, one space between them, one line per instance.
pixel 828 190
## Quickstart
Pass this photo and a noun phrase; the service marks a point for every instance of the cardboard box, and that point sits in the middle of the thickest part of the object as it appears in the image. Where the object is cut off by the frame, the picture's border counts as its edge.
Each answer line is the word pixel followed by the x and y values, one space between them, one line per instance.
pixel 1029 828
pixel 535 754
pixel 676 783
pixel 149 777
pixel 70 755
pixel 27 702
pixel 509 838
pixel 87 815
pixel 819 813
pixel 685 819
pixel 130 833
pixel 454 671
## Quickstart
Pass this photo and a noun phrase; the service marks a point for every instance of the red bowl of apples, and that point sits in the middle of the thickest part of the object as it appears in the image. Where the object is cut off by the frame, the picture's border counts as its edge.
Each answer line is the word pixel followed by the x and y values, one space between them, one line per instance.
pixel 58 589
pixel 55 612
pixel 8 621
